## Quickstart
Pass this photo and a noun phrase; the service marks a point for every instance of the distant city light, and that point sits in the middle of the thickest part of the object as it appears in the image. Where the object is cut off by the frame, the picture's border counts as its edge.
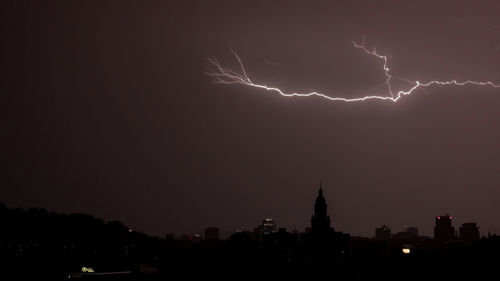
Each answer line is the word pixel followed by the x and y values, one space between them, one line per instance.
pixel 87 269
pixel 406 251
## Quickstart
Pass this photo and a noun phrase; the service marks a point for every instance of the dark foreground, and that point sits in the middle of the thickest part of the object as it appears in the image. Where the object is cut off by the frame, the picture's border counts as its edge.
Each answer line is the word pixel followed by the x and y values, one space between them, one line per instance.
pixel 37 245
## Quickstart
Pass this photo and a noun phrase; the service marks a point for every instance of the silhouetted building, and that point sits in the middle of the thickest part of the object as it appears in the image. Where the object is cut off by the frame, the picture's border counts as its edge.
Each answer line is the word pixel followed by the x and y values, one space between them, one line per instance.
pixel 185 237
pixel 469 232
pixel 196 237
pixel 268 226
pixel 410 235
pixel 412 230
pixel 211 234
pixel 383 233
pixel 326 242
pixel 192 238
pixel 444 231
pixel 320 221
pixel 257 231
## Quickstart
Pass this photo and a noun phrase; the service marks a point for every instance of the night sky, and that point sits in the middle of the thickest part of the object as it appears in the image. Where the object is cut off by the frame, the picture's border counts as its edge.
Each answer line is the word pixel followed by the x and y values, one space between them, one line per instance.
pixel 106 110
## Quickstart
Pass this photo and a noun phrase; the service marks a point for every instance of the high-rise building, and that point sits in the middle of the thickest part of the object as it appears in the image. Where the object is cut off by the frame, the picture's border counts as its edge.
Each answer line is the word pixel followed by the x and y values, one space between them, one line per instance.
pixel 444 231
pixel 383 233
pixel 268 226
pixel 324 240
pixel 469 232
pixel 211 233
pixel 320 221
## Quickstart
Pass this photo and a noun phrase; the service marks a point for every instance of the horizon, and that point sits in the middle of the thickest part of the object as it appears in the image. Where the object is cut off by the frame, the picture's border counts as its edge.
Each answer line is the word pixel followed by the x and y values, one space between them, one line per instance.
pixel 225 233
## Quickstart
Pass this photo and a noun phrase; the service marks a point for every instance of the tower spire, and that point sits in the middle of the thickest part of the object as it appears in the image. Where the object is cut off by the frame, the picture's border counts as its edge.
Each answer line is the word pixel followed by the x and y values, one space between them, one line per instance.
pixel 320 221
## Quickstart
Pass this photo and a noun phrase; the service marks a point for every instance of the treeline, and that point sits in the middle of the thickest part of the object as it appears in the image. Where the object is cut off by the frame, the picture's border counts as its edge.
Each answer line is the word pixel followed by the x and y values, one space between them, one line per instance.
pixel 36 242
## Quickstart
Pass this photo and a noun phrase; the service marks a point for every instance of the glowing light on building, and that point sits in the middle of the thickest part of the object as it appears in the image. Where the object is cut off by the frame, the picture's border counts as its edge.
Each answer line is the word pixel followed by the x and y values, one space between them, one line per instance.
pixel 406 251
pixel 87 269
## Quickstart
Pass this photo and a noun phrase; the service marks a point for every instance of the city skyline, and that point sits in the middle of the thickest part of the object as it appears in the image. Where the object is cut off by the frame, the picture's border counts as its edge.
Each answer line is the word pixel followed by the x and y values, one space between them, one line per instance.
pixel 270 225
pixel 107 110
pixel 248 140
pixel 321 223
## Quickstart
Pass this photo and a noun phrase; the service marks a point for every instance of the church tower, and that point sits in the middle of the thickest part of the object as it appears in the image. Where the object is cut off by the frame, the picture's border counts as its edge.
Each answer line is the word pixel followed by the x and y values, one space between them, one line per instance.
pixel 320 221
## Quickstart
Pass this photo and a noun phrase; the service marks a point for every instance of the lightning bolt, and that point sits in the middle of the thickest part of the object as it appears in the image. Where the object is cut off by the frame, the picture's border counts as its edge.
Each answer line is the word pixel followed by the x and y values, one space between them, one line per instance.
pixel 222 75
